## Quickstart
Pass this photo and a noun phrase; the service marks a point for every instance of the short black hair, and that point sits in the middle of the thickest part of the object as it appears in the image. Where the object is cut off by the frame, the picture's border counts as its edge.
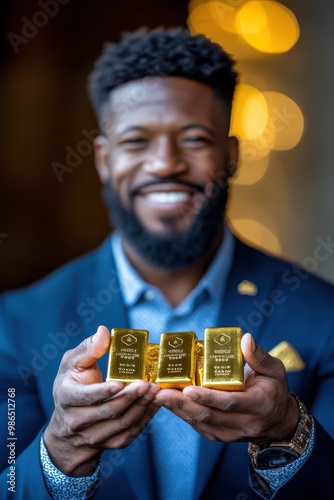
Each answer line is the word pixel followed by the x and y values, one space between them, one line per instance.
pixel 162 53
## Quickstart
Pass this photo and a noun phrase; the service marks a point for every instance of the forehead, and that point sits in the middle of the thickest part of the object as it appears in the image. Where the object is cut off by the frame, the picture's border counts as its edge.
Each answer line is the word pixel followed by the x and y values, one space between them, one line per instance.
pixel 171 100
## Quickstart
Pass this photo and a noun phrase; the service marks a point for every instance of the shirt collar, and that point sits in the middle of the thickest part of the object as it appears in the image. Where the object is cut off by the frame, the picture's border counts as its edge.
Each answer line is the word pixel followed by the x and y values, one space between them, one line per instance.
pixel 214 280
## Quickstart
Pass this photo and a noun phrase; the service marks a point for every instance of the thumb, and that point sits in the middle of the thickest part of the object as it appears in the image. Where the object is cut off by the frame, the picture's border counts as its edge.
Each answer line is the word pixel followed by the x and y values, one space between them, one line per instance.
pixel 259 360
pixel 89 351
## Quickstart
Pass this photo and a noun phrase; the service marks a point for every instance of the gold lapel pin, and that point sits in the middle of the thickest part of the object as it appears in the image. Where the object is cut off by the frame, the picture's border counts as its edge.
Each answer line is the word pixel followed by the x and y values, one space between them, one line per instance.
pixel 247 288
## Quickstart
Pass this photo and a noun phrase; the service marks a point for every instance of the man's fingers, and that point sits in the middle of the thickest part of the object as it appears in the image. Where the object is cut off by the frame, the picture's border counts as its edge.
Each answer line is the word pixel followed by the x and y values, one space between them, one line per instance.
pixel 119 412
pixel 259 360
pixel 88 352
pixel 199 401
pixel 215 414
pixel 119 417
pixel 76 394
pixel 120 432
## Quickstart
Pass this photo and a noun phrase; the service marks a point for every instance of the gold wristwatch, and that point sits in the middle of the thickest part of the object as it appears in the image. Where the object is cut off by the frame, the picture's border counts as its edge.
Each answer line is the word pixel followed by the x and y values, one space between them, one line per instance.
pixel 279 454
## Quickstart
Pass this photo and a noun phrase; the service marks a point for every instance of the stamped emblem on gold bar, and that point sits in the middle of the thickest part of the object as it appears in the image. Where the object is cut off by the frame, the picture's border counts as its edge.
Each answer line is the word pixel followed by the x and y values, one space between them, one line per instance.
pixel 127 355
pixel 177 360
pixel 223 366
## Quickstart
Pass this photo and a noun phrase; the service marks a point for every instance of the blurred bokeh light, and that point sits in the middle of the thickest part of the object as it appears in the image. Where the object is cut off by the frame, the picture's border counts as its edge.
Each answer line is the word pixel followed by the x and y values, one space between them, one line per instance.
pixel 263 119
pixel 250 113
pixel 250 171
pixel 212 19
pixel 267 26
pixel 257 234
pixel 286 119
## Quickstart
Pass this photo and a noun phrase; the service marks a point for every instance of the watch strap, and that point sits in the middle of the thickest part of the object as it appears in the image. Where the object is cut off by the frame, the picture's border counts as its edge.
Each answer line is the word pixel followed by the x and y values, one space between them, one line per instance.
pixel 298 444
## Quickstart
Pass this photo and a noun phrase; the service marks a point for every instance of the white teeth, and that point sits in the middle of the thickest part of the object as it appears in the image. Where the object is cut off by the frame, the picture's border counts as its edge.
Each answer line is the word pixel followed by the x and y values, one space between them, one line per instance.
pixel 168 197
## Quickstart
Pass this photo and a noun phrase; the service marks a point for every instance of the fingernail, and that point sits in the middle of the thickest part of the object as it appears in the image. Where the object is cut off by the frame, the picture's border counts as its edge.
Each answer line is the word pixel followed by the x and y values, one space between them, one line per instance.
pixel 248 339
pixel 253 345
pixel 93 338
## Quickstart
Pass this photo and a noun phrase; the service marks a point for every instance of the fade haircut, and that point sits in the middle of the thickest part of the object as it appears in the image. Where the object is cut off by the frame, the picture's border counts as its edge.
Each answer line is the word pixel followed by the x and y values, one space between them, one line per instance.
pixel 161 53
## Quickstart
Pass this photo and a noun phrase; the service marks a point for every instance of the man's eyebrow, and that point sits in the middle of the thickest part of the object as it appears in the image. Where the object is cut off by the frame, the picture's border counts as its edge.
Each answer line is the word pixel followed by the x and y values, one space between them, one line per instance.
pixel 189 126
pixel 131 128
pixel 199 125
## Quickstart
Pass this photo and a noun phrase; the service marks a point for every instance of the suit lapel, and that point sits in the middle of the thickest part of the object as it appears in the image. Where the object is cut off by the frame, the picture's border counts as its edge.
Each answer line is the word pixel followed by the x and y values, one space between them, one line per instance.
pixel 102 294
pixel 242 305
pixel 107 291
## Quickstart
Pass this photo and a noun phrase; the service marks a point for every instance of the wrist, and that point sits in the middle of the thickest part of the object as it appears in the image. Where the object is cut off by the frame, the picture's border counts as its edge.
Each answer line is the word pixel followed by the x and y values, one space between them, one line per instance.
pixel 68 459
pixel 289 427
pixel 281 453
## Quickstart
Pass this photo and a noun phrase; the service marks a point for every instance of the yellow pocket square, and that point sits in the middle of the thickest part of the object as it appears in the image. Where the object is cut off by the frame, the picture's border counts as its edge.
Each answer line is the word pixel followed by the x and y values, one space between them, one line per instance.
pixel 289 356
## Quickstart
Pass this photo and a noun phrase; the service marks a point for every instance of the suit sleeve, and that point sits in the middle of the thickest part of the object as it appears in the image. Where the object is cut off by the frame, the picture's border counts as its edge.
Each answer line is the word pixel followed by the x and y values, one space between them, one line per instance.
pixel 29 480
pixel 19 455
pixel 314 480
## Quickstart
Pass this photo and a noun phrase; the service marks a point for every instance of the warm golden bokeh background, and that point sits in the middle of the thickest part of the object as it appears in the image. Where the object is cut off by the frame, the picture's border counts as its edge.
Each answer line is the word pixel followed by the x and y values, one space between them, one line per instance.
pixel 282 199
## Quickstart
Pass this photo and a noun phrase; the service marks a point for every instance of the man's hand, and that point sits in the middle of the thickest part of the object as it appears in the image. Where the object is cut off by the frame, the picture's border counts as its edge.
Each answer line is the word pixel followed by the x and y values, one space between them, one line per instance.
pixel 89 415
pixel 263 413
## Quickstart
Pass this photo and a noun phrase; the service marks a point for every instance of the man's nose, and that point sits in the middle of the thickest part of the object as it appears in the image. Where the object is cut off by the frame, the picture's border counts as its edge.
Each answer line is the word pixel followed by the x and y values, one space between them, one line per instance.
pixel 164 159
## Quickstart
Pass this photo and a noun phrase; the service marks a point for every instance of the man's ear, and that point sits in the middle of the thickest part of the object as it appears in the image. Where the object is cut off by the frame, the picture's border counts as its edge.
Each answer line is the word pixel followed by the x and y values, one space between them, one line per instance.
pixel 102 157
pixel 233 161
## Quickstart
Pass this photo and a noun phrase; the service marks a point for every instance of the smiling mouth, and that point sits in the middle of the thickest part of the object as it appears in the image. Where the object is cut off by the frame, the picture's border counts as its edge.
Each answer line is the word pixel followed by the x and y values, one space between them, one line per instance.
pixel 168 191
pixel 164 197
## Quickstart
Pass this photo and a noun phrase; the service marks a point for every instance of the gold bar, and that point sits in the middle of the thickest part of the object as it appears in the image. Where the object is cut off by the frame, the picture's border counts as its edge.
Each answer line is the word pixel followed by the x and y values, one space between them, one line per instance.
pixel 223 366
pixel 199 362
pixel 151 366
pixel 177 360
pixel 127 355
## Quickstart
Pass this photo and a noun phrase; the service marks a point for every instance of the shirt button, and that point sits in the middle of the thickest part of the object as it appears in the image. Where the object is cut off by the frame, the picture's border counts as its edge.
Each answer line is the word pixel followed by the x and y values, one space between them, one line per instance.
pixel 149 295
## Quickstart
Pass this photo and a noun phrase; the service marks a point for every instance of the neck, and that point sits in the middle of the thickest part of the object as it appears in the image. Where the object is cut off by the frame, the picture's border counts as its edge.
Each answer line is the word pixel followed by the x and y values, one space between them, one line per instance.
pixel 175 285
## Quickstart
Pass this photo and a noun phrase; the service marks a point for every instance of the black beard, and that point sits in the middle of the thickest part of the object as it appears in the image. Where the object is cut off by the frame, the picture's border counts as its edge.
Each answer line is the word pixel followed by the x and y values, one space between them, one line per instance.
pixel 176 251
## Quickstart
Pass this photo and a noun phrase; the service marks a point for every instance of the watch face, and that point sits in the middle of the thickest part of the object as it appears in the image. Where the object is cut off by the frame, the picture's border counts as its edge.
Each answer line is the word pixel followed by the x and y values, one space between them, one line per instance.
pixel 274 457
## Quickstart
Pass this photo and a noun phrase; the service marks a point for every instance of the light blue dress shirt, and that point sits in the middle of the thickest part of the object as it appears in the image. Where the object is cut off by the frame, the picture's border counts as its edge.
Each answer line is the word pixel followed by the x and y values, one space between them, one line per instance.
pixel 175 443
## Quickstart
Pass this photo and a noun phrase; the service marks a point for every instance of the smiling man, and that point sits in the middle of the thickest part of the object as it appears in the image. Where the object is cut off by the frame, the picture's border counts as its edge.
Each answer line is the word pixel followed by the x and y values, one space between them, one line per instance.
pixel 163 100
pixel 161 162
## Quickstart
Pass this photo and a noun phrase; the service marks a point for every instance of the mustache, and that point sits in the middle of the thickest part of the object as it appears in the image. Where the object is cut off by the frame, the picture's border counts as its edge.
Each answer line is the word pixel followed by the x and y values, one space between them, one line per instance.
pixel 192 185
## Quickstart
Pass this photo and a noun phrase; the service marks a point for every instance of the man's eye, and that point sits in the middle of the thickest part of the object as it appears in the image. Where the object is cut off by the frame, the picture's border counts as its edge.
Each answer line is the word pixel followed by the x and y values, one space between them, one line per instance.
pixel 133 143
pixel 134 140
pixel 196 140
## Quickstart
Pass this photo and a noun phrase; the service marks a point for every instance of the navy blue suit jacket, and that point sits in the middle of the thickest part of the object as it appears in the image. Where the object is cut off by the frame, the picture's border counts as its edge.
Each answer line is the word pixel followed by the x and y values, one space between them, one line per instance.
pixel 41 322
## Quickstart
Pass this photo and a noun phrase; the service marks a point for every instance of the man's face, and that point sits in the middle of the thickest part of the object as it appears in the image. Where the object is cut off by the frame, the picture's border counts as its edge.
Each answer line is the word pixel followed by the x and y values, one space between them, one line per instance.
pixel 166 149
